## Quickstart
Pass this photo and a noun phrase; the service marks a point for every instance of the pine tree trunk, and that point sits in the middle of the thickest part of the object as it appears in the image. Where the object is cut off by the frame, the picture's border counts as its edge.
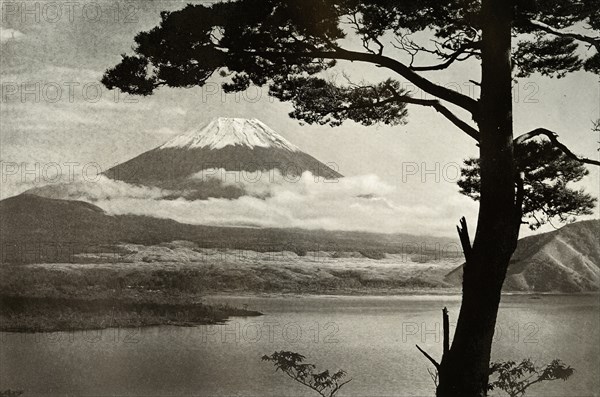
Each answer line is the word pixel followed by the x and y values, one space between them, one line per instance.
pixel 464 370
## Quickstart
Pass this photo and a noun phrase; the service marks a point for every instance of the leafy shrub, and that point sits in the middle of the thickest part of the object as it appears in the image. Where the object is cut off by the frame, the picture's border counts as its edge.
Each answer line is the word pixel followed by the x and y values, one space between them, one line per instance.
pixel 515 379
pixel 292 364
pixel 373 254
pixel 10 393
pixel 301 251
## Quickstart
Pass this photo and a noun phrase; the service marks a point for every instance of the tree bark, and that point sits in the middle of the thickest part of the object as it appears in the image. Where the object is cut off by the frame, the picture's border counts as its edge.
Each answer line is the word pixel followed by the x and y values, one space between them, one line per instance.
pixel 464 370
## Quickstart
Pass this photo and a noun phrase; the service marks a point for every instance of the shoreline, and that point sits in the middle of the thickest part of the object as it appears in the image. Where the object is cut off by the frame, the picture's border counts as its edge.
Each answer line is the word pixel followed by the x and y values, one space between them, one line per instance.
pixel 90 296
pixel 29 315
pixel 382 294
pixel 22 314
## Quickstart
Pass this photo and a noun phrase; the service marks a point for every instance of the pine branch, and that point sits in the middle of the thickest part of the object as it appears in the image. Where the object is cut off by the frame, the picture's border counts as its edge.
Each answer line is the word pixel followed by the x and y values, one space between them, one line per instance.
pixel 398 98
pixel 454 119
pixel 595 41
pixel 450 59
pixel 553 136
pixel 435 363
pixel 419 81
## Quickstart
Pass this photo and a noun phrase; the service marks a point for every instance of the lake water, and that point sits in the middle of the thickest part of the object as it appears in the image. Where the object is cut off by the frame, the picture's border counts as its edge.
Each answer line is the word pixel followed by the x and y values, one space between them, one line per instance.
pixel 372 338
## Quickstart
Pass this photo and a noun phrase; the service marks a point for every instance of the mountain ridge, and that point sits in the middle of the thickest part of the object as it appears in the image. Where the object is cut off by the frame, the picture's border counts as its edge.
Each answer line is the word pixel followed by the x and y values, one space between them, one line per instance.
pixel 29 219
pixel 563 260
pixel 566 260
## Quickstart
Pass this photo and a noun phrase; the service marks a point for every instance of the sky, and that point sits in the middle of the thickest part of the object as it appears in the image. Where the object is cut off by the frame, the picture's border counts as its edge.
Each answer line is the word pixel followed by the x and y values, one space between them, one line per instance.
pixel 53 110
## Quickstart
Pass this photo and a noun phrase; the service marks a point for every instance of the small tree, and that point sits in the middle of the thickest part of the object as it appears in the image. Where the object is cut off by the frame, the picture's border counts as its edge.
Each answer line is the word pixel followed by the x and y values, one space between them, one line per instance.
pixel 292 364
pixel 515 378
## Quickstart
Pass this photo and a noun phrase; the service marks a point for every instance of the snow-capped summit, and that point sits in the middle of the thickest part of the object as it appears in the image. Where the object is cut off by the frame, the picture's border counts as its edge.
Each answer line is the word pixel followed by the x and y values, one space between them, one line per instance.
pixel 226 131
pixel 230 144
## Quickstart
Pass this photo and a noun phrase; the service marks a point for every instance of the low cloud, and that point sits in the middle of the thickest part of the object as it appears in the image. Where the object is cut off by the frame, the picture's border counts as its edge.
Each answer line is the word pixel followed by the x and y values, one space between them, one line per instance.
pixel 9 34
pixel 358 203
pixel 273 183
pixel 100 189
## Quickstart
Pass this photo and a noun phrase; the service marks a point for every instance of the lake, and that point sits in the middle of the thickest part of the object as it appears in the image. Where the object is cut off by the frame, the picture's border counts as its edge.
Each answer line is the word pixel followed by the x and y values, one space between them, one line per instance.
pixel 372 338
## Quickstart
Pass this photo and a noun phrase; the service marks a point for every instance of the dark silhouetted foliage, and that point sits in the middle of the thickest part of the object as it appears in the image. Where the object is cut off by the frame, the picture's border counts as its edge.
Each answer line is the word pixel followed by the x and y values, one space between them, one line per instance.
pixel 292 364
pixel 515 378
pixel 10 393
pixel 547 177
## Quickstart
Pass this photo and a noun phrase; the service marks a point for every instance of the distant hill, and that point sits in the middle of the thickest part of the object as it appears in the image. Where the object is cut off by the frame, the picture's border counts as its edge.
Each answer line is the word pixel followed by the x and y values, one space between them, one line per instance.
pixel 564 260
pixel 28 220
pixel 31 227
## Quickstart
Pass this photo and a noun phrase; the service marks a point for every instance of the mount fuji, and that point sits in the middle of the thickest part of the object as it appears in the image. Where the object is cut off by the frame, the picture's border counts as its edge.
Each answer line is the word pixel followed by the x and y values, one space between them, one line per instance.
pixel 231 144
pixel 222 132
